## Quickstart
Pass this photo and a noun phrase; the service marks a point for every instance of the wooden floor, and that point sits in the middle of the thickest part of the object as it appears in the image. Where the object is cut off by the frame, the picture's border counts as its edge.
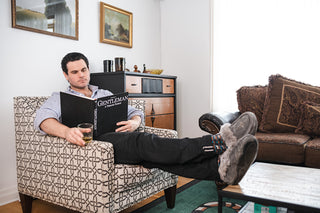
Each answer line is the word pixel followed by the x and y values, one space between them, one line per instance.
pixel 39 206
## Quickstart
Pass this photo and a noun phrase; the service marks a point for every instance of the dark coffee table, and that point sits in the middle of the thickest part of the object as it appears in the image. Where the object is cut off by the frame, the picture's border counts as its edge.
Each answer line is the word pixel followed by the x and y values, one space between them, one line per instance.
pixel 292 187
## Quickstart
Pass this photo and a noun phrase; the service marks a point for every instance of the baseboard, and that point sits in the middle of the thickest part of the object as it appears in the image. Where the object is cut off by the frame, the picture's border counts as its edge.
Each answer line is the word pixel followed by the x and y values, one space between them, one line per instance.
pixel 8 195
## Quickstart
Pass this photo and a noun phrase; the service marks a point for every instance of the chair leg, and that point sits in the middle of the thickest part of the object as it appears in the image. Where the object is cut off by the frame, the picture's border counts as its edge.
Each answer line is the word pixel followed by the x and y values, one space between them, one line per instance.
pixel 26 203
pixel 170 194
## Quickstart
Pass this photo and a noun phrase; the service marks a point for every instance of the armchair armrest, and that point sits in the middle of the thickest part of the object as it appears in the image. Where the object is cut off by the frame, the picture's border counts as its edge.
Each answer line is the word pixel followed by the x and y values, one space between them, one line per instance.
pixel 52 169
pixel 168 133
pixel 212 121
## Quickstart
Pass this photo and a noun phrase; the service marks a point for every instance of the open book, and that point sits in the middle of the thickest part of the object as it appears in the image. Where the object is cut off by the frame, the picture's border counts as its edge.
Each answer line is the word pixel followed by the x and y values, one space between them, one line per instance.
pixel 103 112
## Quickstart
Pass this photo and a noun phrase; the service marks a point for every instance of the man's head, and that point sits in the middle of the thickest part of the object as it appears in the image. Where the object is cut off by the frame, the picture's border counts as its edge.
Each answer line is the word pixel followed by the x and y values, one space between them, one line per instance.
pixel 75 68
pixel 74 56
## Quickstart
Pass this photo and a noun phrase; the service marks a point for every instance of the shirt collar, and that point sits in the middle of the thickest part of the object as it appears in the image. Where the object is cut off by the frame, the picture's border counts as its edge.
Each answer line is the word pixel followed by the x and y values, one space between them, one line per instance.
pixel 93 88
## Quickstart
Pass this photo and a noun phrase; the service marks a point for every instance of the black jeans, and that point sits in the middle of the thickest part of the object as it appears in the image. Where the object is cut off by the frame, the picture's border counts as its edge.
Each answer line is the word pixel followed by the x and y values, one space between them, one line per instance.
pixel 185 157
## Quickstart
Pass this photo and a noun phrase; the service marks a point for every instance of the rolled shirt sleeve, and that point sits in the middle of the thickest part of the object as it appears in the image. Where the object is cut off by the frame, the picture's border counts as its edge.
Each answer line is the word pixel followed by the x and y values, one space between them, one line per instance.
pixel 50 109
pixel 133 112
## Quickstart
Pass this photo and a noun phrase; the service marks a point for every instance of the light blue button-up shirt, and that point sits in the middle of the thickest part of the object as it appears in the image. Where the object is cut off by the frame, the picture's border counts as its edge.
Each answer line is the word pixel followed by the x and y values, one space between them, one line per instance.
pixel 51 107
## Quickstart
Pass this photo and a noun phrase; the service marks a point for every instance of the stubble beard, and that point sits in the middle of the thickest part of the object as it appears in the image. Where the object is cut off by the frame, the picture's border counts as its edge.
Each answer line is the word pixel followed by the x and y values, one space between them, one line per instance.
pixel 79 87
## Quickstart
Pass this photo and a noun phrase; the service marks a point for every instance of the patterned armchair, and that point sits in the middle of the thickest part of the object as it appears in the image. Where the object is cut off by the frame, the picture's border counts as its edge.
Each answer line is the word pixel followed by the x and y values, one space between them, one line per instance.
pixel 84 179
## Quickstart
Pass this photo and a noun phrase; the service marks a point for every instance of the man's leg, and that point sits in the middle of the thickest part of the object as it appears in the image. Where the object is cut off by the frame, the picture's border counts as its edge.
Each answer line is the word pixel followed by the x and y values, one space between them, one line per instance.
pixel 174 154
pixel 185 157
pixel 228 167
pixel 205 170
pixel 137 147
pixel 134 148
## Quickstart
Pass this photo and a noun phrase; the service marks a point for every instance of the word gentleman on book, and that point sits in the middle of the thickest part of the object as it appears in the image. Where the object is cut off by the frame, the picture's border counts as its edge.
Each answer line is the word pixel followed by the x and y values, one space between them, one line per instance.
pixel 225 156
pixel 112 102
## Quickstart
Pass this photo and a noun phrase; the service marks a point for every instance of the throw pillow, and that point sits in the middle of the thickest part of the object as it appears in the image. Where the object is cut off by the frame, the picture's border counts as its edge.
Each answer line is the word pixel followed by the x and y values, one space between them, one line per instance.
pixel 284 96
pixel 309 123
pixel 251 98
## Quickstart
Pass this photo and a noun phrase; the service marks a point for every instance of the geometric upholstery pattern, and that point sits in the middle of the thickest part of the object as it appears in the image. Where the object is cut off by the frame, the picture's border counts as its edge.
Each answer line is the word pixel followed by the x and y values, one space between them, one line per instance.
pixel 84 179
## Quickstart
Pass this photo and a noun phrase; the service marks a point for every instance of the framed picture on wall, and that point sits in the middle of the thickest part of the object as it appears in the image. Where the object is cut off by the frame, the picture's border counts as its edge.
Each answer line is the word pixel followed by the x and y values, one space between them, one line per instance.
pixel 51 17
pixel 115 26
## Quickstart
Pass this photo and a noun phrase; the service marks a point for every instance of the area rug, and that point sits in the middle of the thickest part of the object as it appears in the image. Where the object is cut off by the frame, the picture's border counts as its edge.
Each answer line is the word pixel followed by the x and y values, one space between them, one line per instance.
pixel 194 197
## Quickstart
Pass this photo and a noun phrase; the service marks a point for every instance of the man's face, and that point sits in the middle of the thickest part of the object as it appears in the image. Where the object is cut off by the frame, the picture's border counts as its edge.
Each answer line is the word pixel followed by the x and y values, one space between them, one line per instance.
pixel 78 74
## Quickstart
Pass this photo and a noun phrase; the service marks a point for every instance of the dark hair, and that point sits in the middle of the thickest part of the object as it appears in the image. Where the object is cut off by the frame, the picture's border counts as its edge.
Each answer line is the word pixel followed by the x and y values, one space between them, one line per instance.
pixel 74 56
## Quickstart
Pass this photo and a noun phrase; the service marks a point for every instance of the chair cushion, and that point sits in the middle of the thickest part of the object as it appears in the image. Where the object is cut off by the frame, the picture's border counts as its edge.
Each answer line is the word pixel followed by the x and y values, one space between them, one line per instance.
pixel 312 153
pixel 252 99
pixel 281 111
pixel 281 147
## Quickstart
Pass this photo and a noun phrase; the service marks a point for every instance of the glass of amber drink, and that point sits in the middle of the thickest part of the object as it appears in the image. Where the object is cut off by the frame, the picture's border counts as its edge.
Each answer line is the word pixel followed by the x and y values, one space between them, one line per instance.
pixel 87 136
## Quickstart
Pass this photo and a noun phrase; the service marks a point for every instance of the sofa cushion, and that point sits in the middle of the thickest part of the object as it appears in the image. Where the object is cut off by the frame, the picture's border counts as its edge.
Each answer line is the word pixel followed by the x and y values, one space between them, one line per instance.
pixel 281 147
pixel 281 111
pixel 310 119
pixel 251 98
pixel 312 153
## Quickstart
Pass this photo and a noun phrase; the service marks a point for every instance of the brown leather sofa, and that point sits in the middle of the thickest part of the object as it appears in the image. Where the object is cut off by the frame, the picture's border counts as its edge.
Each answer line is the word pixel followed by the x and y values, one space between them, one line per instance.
pixel 289 124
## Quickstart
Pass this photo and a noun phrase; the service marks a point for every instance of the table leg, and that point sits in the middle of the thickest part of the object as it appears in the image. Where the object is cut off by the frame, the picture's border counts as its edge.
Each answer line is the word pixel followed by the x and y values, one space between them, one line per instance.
pixel 219 203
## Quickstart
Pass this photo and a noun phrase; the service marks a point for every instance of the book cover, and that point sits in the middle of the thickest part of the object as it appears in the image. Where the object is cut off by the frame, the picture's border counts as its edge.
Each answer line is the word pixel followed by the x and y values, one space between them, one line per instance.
pixel 103 112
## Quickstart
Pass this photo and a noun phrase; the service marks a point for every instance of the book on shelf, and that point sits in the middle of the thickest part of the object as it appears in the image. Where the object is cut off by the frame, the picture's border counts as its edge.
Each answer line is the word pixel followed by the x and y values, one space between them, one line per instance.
pixel 102 112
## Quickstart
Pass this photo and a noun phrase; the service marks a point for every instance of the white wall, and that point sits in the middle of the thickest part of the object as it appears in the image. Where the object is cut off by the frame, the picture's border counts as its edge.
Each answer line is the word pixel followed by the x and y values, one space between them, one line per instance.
pixel 185 52
pixel 256 38
pixel 30 64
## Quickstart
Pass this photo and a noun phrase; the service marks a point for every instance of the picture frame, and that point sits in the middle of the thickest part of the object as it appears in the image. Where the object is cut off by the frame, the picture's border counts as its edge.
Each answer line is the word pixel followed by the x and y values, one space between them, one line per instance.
pixel 115 26
pixel 57 18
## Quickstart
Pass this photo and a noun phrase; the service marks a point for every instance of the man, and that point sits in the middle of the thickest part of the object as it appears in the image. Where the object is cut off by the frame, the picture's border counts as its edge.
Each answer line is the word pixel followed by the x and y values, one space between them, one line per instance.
pixel 225 156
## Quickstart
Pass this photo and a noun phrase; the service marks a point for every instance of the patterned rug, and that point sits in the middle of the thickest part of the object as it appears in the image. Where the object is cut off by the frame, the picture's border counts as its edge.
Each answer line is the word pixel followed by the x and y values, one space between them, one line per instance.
pixel 194 197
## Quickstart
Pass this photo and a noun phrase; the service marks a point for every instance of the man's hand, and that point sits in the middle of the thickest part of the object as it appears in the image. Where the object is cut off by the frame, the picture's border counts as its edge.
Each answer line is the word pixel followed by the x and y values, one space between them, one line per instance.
pixel 130 125
pixel 74 135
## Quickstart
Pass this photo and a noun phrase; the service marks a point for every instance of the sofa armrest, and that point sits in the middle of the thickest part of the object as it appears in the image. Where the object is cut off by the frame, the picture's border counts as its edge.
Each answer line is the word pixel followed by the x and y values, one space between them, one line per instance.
pixel 168 133
pixel 212 121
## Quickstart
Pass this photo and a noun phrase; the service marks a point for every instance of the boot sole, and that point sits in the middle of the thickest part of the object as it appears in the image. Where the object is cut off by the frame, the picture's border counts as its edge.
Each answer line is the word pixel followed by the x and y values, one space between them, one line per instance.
pixel 249 154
